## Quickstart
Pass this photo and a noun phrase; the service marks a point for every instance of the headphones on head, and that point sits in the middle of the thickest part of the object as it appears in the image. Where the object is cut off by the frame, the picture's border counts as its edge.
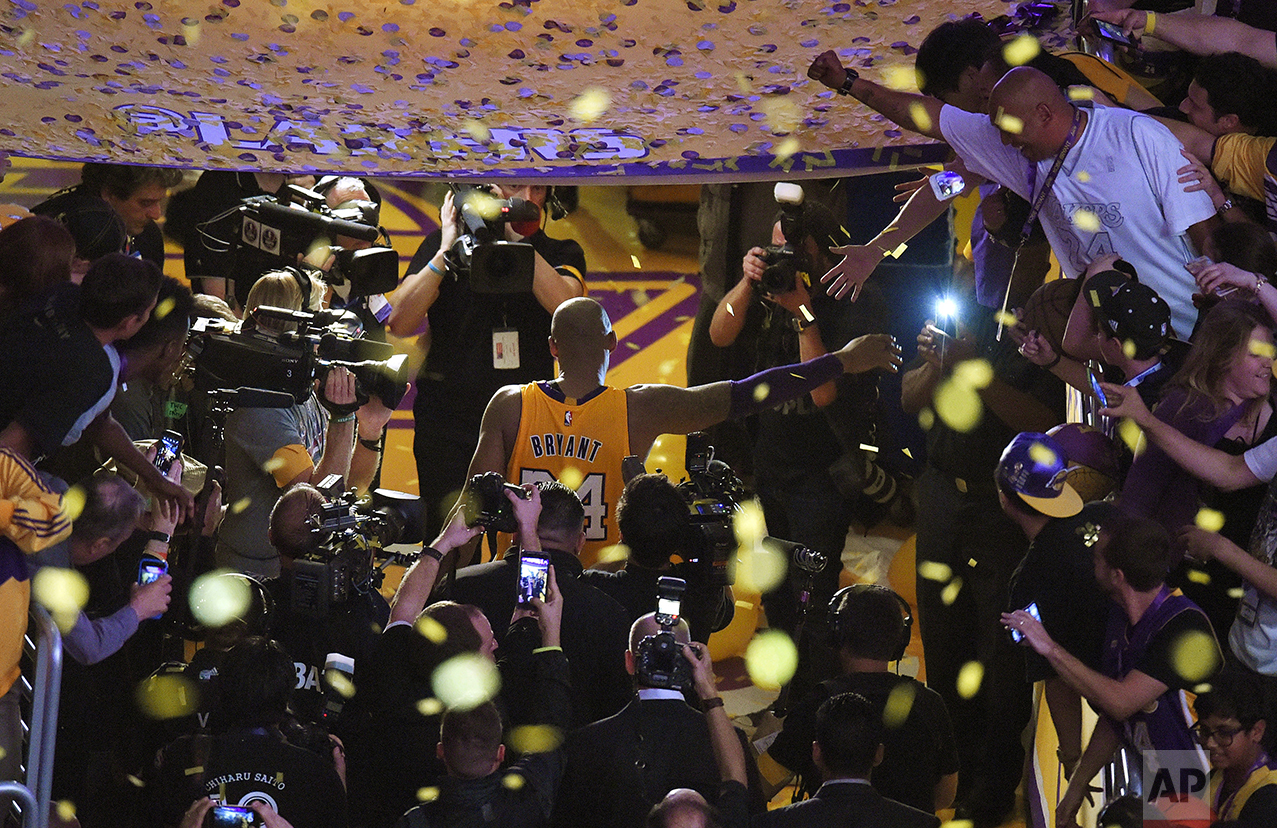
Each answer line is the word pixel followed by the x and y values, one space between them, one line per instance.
pixel 844 611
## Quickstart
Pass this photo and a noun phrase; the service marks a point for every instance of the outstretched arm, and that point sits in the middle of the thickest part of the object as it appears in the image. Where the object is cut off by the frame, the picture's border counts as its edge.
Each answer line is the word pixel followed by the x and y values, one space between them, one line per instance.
pixel 917 113
pixel 498 431
pixel 1198 34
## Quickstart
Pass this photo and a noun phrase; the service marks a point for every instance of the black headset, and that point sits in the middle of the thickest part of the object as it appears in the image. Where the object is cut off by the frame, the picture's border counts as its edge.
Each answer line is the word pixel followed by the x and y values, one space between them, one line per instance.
pixel 843 613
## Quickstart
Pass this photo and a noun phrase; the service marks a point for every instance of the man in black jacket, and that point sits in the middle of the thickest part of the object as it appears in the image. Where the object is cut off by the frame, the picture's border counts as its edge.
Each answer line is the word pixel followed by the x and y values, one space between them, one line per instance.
pixel 595 625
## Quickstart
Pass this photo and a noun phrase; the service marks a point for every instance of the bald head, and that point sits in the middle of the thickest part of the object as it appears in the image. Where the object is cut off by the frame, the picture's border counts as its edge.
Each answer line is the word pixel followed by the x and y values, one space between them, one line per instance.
pixel 682 808
pixel 646 625
pixel 1031 112
pixel 580 320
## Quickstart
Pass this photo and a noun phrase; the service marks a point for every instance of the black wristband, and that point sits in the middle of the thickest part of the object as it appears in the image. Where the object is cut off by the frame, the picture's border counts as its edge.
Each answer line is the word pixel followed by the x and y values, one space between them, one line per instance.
pixel 709 704
pixel 162 537
pixel 852 75
pixel 431 552
pixel 1052 363
pixel 371 445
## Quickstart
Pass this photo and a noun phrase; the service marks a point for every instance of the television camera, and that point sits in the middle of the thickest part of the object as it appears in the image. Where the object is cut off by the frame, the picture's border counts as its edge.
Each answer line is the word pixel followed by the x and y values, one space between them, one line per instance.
pixel 481 253
pixel 266 232
pixel 226 358
pixel 352 536
pixel 712 492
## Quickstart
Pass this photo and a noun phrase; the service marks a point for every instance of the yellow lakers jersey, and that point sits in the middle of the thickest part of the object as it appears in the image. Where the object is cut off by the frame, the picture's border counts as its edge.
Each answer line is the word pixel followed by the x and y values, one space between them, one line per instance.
pixel 580 443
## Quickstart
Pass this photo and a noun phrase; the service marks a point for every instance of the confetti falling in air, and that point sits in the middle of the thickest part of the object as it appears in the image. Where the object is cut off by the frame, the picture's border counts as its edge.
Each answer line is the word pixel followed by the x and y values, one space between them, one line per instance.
pixel 899 705
pixel 1006 319
pixel 1129 348
pixel 427 794
pixel 1081 93
pixel 535 738
pixel 1021 50
pixel 163 308
pixel 1008 123
pixel 634 260
pixel 1042 455
pixel 1194 656
pixel 901 78
pixel 761 391
pixel 1262 348
pixel 465 681
pixel 572 477
pixel 950 592
pixel 477 130
pixel 431 629
pixel 1083 176
pixel 921 118
pixel 1086 221
pixel 429 707
pixel 167 696
pixel 590 104
pixel 1197 576
pixel 761 567
pixel 899 250
pixel 771 659
pixel 1133 436
pixel 1211 520
pixel 935 571
pixel 73 502
pixel 513 781
pixel 219 597
pixel 63 592
pixel 970 677
pixel 615 553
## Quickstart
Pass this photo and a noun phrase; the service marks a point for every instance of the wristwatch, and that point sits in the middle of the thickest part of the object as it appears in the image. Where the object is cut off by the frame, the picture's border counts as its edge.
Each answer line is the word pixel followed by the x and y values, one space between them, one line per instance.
pixel 161 537
pixel 852 74
pixel 1225 207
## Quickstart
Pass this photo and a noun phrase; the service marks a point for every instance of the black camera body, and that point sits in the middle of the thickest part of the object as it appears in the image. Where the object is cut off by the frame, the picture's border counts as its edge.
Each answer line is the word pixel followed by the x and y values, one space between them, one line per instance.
pixel 486 505
pixel 784 262
pixel 712 492
pixel 354 535
pixel 660 662
pixel 491 264
pixel 226 358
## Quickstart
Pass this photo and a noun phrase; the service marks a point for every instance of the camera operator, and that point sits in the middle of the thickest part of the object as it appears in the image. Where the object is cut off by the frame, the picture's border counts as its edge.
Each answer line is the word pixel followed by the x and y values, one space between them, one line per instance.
pixel 348 629
pixel 653 518
pixel 618 768
pixel 477 790
pixel 467 330
pixel 270 449
pixel 244 757
pixel 595 626
pixel 805 499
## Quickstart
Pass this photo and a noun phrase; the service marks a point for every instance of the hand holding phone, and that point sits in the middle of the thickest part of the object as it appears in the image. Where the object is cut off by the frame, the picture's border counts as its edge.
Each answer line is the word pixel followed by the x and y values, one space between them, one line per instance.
pixel 232 816
pixel 167 449
pixel 1031 609
pixel 1113 33
pixel 1096 390
pixel 533 577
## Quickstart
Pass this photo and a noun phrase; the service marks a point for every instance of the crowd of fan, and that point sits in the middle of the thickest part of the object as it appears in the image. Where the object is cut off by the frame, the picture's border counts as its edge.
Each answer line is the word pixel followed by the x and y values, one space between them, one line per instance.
pixel 1118 553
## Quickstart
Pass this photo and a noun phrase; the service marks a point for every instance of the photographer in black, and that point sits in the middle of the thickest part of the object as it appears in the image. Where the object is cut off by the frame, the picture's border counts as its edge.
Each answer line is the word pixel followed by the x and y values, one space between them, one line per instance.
pixel 811 474
pixel 338 636
pixel 653 517
pixel 270 449
pixel 480 337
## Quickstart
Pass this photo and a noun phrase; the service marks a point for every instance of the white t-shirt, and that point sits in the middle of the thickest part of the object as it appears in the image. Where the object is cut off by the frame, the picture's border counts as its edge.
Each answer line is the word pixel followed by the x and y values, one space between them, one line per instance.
pixel 1253 636
pixel 1122 170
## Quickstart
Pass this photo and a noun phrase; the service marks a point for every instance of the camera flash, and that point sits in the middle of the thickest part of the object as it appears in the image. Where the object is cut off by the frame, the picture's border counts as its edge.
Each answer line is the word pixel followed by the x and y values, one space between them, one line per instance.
pixel 786 193
pixel 946 307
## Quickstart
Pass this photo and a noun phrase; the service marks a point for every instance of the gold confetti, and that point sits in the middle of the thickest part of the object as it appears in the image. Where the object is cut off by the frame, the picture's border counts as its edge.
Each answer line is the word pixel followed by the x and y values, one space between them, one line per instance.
pixel 240 505
pixel 66 810
pixel 761 391
pixel 950 592
pixel 465 681
pixel 899 250
pixel 634 260
pixel 761 567
pixel 1006 320
pixel 907 452
pixel 535 738
pixel 935 571
pixel 807 315
pixel 427 794
pixel 926 419
pixel 1210 520
pixel 742 83
pixel 1194 656
pixel 1042 454
pixel 340 682
pixel 783 115
pixel 921 118
pixel 512 781
pixel 1128 348
pixel 1132 435
pixel 273 464
pixel 1008 123
pixel 970 677
pixel 163 309
pixel 477 130
pixel 572 478
pixel 639 297
pixel 219 597
pixel 787 148
pixel 748 523
pixel 1021 50
pixel 73 502
pixel 482 204
pixel 429 707
pixel 1083 176
pixel 633 346
pixel 958 405
pixel 1086 220
pixel 167 697
pixel 958 823
pixel 1262 348
pixel 901 78
pixel 867 447
pixel 614 553
pixel 1198 577
pixel 590 104
pixel 433 631
pixel 134 781
pixel 1236 593
pixel 974 373
pixel 898 706
pixel 771 659
pixel 63 592
pixel 730 310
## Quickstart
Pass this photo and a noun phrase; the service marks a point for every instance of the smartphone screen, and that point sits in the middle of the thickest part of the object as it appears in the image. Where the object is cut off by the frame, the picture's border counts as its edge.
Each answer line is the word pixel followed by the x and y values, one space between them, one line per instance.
pixel 946 185
pixel 149 570
pixel 1111 31
pixel 1031 609
pixel 533 573
pixel 232 816
pixel 169 448
pixel 1096 390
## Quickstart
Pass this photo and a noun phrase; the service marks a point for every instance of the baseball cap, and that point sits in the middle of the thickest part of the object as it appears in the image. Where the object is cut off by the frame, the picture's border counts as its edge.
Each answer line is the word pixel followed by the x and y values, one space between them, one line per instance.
pixel 1035 467
pixel 1129 311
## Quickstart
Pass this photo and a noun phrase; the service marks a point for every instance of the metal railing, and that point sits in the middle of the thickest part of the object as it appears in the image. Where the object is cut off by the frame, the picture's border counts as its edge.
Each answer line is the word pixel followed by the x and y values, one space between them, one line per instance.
pixel 41 686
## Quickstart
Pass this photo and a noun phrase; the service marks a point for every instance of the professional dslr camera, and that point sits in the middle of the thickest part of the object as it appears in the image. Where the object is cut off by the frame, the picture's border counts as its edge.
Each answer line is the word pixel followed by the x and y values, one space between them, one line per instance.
pixel 353 535
pixel 269 231
pixel 486 505
pixel 481 253
pixel 225 358
pixel 785 262
pixel 659 660
pixel 712 492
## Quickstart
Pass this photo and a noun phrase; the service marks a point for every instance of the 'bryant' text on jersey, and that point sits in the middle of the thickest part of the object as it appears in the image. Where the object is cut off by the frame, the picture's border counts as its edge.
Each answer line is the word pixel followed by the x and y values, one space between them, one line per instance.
pixel 559 445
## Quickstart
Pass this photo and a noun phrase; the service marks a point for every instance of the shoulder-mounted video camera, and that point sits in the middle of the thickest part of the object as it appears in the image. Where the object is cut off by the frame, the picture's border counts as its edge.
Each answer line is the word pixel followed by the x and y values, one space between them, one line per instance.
pixel 481 253
pixel 659 660
pixel 712 492
pixel 352 536
pixel 263 232
pixel 250 357
pixel 784 262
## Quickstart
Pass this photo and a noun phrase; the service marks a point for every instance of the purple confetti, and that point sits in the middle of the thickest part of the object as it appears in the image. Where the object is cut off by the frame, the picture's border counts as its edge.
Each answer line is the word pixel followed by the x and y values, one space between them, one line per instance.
pixel 705 45
pixel 892 133
pixel 345 16
pixel 809 43
pixel 912 19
